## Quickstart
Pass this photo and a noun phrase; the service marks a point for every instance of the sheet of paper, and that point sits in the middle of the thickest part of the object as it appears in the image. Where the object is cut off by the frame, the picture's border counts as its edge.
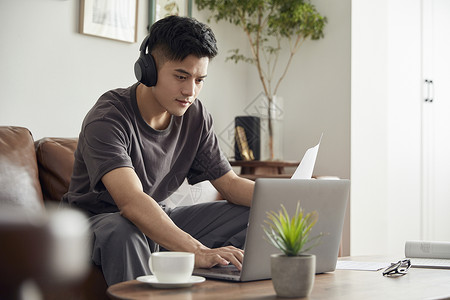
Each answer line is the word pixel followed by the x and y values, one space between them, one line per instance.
pixel 306 167
pixel 361 265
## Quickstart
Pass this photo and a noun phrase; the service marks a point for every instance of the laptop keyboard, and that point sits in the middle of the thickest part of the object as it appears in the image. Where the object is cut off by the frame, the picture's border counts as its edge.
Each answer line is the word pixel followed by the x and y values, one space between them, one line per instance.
pixel 229 270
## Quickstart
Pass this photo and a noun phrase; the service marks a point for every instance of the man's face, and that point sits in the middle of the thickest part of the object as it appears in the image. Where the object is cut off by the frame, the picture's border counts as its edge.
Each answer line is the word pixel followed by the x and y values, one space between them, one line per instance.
pixel 179 83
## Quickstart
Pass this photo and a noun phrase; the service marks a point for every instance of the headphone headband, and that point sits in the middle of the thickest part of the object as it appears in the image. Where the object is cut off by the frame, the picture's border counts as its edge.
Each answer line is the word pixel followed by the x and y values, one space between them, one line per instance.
pixel 144 44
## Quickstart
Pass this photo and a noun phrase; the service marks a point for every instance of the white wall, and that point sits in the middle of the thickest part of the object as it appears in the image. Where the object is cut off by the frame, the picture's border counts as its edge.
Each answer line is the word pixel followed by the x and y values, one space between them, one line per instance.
pixel 317 94
pixel 51 75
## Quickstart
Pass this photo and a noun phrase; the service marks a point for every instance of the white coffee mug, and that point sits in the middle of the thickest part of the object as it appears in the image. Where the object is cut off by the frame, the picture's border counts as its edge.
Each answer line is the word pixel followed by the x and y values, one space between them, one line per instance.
pixel 172 267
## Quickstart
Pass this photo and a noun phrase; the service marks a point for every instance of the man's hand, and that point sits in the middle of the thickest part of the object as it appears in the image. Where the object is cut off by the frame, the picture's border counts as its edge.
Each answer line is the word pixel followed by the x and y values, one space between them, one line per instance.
pixel 143 211
pixel 208 258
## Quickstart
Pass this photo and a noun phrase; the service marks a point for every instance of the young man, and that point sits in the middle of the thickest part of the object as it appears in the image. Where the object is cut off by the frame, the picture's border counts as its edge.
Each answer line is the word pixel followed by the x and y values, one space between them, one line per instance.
pixel 136 147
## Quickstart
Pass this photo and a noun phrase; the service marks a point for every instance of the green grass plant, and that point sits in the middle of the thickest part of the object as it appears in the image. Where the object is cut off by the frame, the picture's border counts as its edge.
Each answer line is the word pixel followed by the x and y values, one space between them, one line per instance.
pixel 291 235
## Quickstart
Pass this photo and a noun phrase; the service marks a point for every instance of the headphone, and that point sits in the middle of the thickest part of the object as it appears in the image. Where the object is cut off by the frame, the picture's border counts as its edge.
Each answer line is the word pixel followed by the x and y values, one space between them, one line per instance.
pixel 145 67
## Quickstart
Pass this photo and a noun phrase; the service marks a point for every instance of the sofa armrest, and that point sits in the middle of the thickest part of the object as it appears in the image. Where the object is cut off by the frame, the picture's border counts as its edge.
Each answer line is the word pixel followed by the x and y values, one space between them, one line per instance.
pixel 19 181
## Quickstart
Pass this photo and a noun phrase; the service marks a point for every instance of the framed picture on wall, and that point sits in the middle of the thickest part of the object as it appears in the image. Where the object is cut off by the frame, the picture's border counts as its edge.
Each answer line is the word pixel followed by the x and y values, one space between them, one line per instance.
pixel 159 9
pixel 112 19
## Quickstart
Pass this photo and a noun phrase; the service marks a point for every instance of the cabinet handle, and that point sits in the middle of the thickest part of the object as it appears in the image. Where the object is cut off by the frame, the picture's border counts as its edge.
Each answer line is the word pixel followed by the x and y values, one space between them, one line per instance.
pixel 431 84
pixel 430 88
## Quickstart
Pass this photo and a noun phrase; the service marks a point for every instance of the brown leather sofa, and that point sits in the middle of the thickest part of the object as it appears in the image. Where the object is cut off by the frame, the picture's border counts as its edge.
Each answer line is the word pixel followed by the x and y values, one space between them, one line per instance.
pixel 34 174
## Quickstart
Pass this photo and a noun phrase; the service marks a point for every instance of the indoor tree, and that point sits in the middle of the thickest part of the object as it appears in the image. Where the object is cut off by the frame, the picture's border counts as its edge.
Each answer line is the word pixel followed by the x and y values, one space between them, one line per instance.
pixel 267 24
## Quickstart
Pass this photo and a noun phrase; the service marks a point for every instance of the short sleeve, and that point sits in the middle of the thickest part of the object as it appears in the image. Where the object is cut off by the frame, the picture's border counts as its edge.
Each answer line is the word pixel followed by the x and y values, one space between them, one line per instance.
pixel 209 163
pixel 105 149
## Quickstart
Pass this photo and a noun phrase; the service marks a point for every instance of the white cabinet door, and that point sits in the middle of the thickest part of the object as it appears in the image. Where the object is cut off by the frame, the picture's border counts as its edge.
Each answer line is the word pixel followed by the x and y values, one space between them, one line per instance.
pixel 436 120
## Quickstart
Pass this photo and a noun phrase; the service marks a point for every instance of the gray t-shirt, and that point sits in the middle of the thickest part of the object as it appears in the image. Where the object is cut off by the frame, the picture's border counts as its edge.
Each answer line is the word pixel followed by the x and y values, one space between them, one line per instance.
pixel 115 135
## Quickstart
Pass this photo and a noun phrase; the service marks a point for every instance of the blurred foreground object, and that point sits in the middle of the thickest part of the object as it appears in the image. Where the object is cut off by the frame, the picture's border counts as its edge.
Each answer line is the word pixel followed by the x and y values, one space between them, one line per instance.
pixel 51 251
pixel 24 245
pixel 33 177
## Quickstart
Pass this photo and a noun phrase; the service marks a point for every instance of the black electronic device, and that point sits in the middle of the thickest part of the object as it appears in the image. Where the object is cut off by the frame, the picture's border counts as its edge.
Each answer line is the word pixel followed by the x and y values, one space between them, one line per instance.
pixel 145 67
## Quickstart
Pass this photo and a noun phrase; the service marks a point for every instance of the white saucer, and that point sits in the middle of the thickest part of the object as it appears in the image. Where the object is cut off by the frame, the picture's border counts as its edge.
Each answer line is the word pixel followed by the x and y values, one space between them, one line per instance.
pixel 151 279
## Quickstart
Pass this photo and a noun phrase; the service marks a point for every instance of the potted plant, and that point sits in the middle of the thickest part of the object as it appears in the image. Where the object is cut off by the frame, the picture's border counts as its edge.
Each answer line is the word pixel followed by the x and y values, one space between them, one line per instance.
pixel 292 270
pixel 268 25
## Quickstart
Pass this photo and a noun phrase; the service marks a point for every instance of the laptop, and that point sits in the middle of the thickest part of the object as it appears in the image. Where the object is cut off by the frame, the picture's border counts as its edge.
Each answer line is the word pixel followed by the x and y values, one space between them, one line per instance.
pixel 328 197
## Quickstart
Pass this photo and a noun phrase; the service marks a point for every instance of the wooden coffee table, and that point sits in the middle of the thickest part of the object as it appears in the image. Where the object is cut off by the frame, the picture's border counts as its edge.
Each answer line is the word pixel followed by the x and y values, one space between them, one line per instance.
pixel 340 284
pixel 210 289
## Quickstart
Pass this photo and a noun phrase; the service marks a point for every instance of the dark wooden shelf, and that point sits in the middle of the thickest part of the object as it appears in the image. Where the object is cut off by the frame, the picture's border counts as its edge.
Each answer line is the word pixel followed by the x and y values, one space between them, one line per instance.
pixel 253 169
pixel 255 176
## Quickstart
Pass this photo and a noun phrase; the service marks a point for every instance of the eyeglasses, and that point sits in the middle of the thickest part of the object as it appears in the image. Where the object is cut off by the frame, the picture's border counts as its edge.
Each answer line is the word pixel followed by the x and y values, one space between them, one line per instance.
pixel 399 268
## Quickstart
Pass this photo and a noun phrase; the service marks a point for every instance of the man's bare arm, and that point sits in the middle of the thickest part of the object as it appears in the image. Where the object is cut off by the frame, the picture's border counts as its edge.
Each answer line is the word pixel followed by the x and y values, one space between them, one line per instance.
pixel 235 189
pixel 143 211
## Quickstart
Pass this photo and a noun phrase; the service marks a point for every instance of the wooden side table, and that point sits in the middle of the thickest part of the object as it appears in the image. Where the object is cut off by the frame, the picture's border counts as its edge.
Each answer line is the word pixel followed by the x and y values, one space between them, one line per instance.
pixel 253 169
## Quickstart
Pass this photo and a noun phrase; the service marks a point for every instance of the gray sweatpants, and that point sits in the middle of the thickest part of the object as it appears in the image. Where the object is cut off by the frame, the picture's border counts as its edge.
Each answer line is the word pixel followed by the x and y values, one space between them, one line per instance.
pixel 122 250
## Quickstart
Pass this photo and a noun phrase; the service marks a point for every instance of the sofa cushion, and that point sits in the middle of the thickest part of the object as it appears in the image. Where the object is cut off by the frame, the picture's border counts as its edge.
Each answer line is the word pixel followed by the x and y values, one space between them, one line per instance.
pixel 55 159
pixel 19 180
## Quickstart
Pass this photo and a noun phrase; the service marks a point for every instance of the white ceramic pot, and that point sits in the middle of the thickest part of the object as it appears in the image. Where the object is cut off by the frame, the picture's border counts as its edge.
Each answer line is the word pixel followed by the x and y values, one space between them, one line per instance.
pixel 293 276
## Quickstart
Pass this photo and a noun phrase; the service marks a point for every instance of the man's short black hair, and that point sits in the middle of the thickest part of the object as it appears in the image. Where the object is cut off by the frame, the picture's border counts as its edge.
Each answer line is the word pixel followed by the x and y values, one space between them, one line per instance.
pixel 177 37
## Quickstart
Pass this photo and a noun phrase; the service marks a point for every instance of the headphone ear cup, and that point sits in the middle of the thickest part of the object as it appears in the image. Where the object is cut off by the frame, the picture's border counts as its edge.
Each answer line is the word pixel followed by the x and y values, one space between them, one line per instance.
pixel 139 68
pixel 145 70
